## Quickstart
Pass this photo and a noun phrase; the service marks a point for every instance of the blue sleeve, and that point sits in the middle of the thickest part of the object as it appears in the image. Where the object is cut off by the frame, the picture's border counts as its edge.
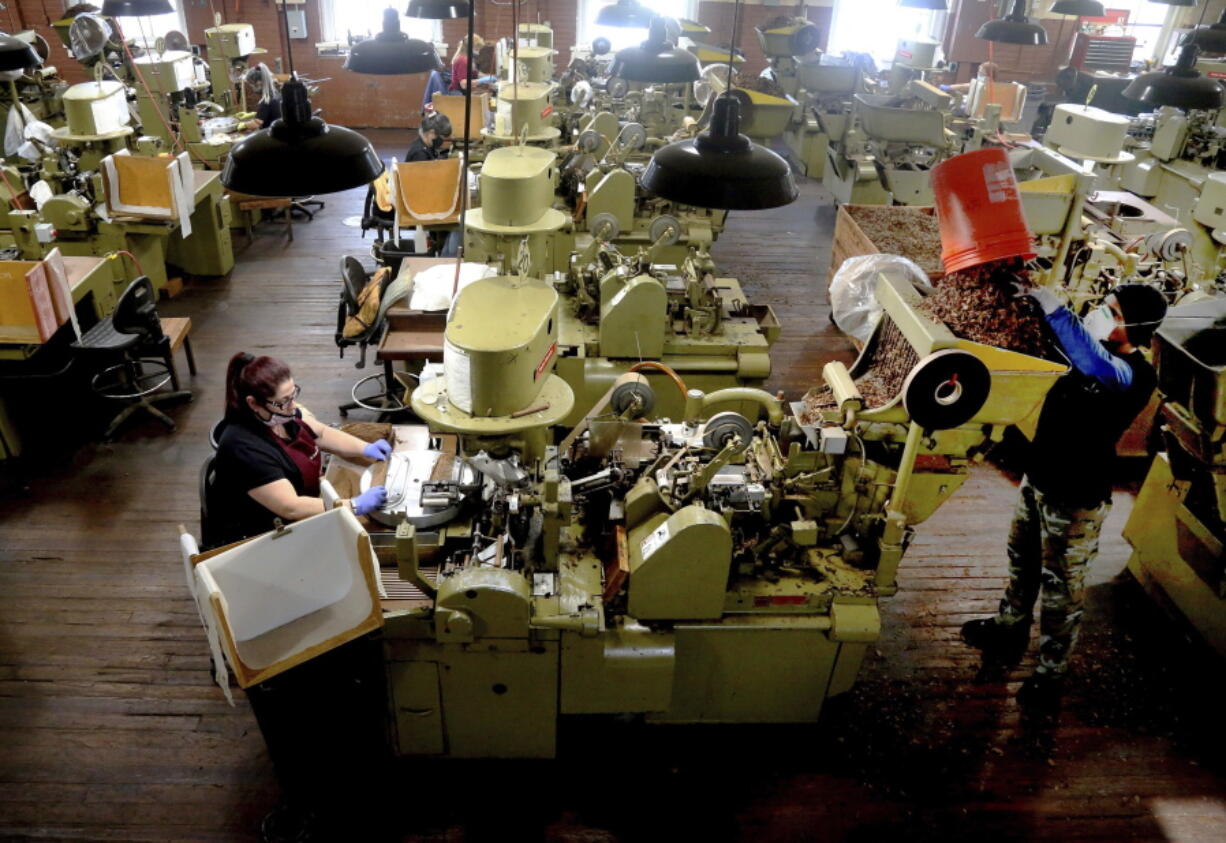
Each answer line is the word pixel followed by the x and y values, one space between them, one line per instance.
pixel 1087 354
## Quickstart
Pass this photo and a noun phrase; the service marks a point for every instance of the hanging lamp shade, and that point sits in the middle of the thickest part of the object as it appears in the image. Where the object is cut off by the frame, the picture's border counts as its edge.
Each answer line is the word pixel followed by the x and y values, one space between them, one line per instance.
pixel 936 5
pixel 625 13
pixel 1209 39
pixel 1175 2
pixel 721 168
pixel 1080 8
pixel 136 8
pixel 1014 28
pixel 655 60
pixel 300 154
pixel 1179 86
pixel 437 9
pixel 16 54
pixel 391 52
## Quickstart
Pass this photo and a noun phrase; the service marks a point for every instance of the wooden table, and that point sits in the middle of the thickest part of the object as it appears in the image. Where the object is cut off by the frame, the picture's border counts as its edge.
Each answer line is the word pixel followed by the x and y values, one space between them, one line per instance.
pixel 414 335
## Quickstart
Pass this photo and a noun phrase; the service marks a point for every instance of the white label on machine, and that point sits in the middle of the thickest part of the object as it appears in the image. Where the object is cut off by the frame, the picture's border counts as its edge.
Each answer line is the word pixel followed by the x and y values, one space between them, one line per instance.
pixel 654 541
pixel 457 371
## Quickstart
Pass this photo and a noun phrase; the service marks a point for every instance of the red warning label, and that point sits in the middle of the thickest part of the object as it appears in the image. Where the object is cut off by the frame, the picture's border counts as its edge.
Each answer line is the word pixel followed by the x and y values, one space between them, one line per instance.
pixel 544 364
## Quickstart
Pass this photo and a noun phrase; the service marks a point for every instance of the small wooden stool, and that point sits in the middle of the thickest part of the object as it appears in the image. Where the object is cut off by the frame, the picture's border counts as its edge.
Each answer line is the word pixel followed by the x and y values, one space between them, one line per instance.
pixel 176 329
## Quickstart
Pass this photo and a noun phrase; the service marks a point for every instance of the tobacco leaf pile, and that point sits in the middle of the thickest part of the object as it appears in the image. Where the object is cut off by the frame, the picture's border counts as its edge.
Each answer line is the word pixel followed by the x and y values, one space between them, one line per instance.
pixel 976 304
pixel 900 230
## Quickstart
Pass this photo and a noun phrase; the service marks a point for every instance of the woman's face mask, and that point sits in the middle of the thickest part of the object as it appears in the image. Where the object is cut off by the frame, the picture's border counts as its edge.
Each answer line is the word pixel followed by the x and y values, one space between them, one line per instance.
pixel 1099 323
pixel 437 143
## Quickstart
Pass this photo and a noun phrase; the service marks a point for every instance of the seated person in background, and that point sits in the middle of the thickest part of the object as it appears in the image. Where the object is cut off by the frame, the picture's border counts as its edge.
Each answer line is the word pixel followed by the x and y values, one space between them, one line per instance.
pixel 269 455
pixel 268 108
pixel 461 73
pixel 434 132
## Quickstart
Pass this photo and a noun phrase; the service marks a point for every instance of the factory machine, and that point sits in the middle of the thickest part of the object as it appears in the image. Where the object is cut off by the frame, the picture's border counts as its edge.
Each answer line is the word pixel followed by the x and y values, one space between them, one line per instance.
pixel 39 89
pixel 721 566
pixel 1177 527
pixel 60 201
pixel 620 304
pixel 889 145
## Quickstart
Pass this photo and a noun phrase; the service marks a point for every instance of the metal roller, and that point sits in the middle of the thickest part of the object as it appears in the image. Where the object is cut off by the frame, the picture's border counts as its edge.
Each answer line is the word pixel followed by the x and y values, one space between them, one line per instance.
pixel 721 428
pixel 626 395
pixel 665 230
pixel 946 389
pixel 605 226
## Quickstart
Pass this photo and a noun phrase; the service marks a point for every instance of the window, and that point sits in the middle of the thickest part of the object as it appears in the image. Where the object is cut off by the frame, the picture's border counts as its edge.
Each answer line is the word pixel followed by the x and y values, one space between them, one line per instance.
pixel 363 18
pixel 621 37
pixel 875 26
pixel 1145 22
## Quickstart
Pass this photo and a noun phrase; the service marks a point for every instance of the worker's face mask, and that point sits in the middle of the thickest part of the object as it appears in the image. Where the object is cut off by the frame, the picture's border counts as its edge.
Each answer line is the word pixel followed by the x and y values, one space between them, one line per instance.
pixel 1099 323
pixel 437 143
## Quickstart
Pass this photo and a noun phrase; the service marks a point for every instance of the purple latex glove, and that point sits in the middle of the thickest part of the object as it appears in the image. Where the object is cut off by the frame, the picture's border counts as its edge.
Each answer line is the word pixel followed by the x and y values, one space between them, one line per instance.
pixel 378 450
pixel 370 500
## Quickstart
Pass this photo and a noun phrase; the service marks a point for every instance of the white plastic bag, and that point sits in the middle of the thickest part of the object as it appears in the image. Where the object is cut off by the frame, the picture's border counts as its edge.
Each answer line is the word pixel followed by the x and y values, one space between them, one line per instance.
pixel 853 300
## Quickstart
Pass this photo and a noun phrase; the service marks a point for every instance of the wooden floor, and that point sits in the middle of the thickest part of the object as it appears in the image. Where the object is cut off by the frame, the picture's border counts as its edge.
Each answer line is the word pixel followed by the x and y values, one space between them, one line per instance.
pixel 110 727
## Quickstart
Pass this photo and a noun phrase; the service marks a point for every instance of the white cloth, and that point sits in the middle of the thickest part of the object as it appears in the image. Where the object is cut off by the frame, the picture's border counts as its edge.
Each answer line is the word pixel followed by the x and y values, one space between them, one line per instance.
pixel 432 287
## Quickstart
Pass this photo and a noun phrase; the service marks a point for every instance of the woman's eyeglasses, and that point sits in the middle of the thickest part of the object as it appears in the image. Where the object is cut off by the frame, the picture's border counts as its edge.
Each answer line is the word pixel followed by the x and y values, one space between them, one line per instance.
pixel 284 403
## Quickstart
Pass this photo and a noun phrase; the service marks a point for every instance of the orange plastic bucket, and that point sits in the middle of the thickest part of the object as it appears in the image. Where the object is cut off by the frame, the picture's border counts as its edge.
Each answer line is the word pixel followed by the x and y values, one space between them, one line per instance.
pixel 979 210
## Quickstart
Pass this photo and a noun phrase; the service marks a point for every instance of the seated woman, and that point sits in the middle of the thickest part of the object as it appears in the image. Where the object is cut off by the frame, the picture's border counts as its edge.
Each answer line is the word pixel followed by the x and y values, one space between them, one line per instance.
pixel 461 74
pixel 268 108
pixel 269 459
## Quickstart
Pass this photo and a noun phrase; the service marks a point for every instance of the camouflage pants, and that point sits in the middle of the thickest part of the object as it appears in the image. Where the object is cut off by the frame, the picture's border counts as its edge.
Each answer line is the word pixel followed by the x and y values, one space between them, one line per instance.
pixel 1050 548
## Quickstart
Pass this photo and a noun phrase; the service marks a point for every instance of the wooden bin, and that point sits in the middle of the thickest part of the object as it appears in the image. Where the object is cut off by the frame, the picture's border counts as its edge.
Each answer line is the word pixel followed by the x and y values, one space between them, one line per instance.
pixel 850 241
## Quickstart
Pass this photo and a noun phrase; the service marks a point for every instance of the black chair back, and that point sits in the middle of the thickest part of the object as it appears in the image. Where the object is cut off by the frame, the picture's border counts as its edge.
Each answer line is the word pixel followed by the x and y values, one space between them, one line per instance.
pixel 208 476
pixel 353 280
pixel 136 311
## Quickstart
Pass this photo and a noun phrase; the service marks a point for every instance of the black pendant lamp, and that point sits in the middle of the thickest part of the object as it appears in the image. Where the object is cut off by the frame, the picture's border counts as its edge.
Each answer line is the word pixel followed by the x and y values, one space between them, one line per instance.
pixel 1014 28
pixel 16 54
pixel 1080 8
pixel 391 52
pixel 437 9
pixel 299 154
pixel 136 8
pixel 625 13
pixel 1175 2
pixel 1209 39
pixel 935 5
pixel 655 60
pixel 721 168
pixel 1179 86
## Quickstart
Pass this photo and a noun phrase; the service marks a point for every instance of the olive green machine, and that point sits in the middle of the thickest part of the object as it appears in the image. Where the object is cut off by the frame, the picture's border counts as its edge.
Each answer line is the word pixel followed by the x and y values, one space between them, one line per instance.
pixel 724 565
pixel 1177 527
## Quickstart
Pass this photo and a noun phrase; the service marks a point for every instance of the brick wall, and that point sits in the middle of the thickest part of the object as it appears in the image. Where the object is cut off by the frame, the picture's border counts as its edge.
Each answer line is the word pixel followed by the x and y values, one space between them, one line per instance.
pixel 353 99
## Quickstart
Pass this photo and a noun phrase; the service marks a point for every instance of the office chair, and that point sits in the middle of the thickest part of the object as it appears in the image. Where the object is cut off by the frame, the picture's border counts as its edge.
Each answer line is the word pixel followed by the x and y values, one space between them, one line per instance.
pixel 354 279
pixel 132 330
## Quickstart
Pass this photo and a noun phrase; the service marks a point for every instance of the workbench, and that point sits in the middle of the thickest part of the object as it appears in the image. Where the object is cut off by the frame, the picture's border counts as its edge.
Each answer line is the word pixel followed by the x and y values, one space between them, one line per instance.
pixel 92 281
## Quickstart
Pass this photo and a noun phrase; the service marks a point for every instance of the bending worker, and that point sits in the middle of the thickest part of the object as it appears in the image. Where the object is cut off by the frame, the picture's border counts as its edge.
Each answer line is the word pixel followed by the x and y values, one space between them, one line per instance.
pixel 1066 493
pixel 434 131
pixel 269 458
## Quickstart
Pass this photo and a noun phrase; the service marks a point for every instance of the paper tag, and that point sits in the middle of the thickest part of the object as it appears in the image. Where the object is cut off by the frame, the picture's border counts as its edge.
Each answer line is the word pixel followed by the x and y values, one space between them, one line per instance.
pixel 654 541
pixel 457 372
